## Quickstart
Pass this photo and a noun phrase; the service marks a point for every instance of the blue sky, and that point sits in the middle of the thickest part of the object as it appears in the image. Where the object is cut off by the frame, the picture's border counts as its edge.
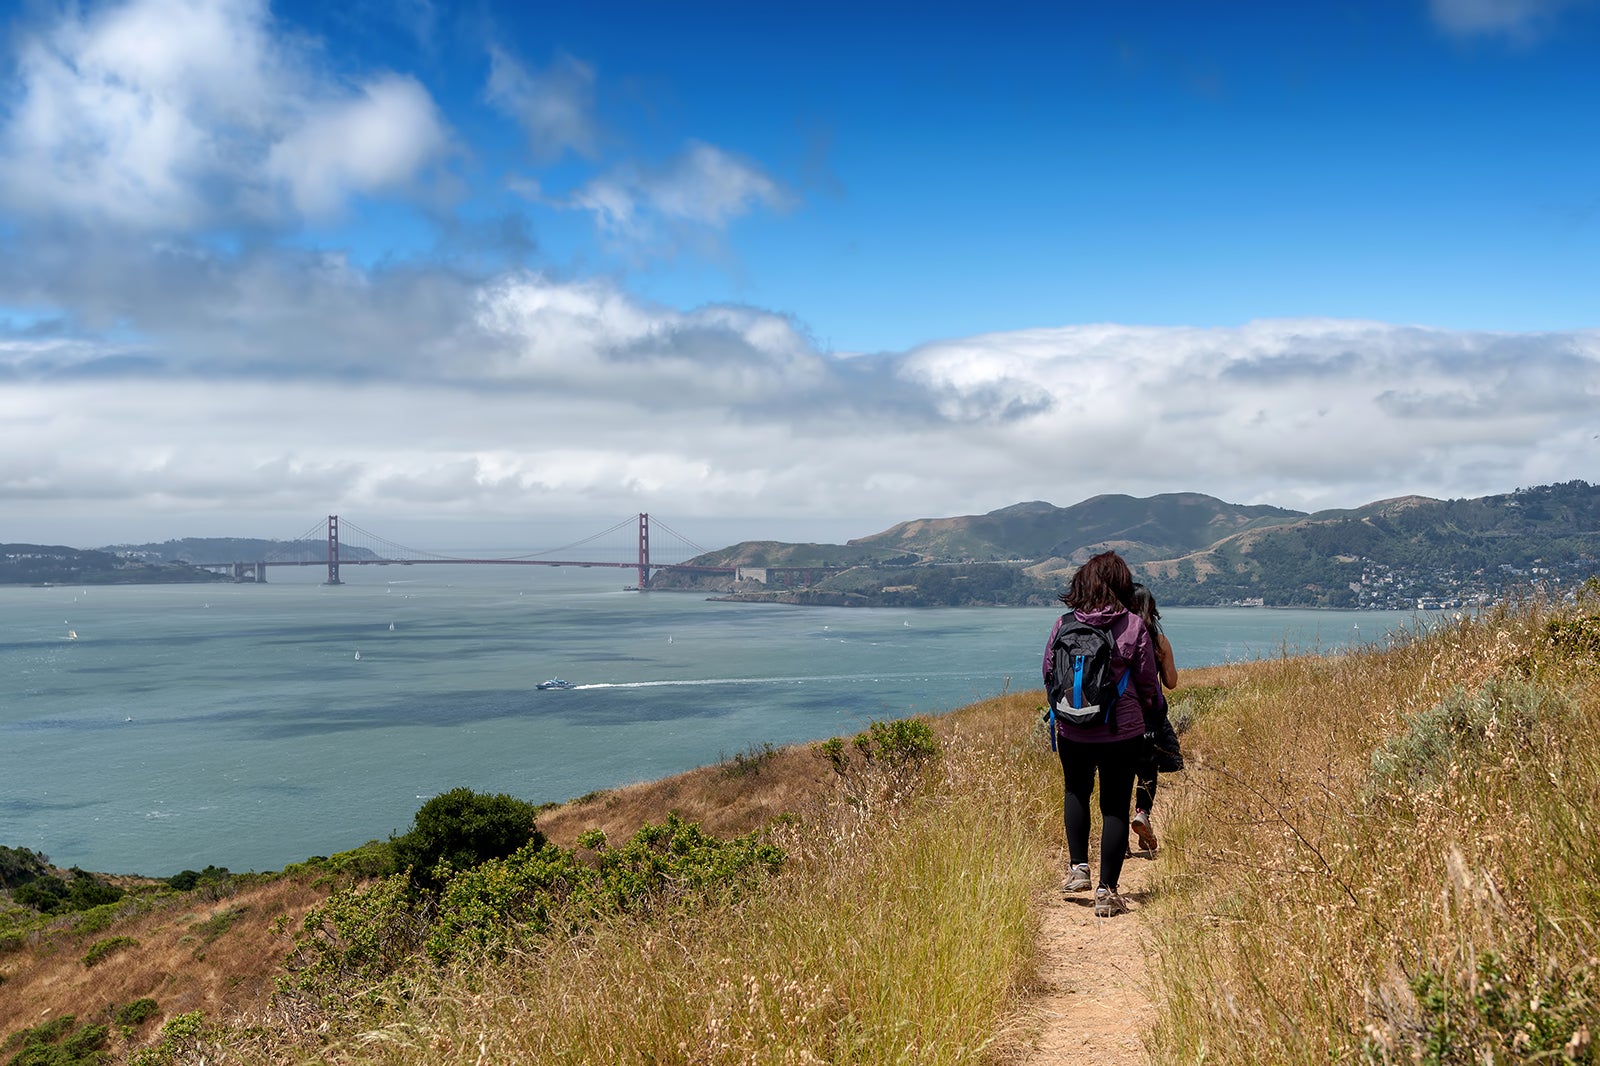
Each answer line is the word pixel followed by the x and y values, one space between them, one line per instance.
pixel 784 270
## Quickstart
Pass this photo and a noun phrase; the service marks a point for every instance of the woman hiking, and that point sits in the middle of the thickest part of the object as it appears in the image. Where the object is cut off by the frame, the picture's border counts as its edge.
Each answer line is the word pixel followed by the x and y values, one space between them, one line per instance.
pixel 1161 741
pixel 1112 748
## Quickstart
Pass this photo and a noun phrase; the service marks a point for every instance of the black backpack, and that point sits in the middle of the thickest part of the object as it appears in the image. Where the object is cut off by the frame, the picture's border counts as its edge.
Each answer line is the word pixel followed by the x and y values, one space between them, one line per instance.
pixel 1080 684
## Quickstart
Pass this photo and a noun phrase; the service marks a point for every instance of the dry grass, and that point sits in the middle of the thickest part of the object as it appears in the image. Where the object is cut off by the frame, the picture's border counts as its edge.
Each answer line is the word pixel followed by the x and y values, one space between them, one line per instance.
pixel 722 799
pixel 211 955
pixel 1385 857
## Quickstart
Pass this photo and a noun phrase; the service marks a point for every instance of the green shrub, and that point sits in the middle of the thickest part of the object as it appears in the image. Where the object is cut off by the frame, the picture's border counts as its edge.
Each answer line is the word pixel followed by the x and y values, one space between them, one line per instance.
pixel 219 923
pixel 100 950
pixel 46 894
pixel 1499 1017
pixel 50 894
pixel 749 761
pixel 902 742
pixel 1454 731
pixel 361 936
pixel 1190 702
pixel 460 829
pixel 506 903
pixel 18 866
pixel 55 1043
pixel 189 880
pixel 97 919
pixel 180 1036
pixel 833 750
pixel 135 1014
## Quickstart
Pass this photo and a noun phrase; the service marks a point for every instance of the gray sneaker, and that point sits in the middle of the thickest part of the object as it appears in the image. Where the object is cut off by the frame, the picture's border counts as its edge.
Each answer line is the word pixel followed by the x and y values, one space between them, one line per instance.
pixel 1140 824
pixel 1107 904
pixel 1078 879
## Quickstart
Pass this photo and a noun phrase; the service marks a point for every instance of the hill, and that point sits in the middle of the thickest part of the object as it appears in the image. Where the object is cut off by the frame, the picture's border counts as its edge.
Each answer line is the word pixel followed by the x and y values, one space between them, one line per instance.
pixel 1374 857
pixel 1158 527
pixel 55 564
pixel 233 549
pixel 1196 550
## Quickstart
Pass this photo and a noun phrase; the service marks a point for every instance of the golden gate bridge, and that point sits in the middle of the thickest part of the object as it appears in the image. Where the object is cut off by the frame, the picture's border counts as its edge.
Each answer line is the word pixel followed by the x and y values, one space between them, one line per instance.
pixel 337 544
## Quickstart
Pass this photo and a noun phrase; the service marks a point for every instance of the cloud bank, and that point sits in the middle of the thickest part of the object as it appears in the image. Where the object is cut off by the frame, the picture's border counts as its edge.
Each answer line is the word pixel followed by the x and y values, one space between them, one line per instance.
pixel 521 395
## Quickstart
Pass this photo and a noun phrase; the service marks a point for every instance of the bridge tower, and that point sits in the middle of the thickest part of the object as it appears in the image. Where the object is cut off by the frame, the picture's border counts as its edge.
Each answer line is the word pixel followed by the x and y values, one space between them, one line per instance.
pixel 333 550
pixel 644 551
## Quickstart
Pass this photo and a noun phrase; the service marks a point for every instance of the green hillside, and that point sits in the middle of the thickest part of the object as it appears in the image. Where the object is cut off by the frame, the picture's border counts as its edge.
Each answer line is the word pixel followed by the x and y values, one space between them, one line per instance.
pixel 1155 528
pixel 55 564
pixel 1193 549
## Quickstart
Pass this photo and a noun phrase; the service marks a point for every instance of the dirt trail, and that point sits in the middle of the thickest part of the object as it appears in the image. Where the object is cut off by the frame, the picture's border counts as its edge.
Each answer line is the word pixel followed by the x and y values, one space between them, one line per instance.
pixel 1096 1003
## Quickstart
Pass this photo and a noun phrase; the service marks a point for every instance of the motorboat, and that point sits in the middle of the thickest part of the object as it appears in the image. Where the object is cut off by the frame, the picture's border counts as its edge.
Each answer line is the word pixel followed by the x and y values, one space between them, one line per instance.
pixel 555 682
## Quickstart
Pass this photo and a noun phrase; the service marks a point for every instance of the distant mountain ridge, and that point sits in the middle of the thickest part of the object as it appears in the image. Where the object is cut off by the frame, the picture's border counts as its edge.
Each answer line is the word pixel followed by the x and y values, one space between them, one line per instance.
pixel 1157 527
pixel 1194 549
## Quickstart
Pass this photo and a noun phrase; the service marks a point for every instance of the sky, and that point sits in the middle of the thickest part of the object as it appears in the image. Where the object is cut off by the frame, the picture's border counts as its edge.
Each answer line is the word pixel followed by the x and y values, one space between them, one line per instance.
pixel 497 273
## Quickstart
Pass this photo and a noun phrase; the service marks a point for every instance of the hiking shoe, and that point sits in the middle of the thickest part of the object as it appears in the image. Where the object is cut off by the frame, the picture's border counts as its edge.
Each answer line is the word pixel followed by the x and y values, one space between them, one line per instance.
pixel 1107 904
pixel 1140 824
pixel 1078 879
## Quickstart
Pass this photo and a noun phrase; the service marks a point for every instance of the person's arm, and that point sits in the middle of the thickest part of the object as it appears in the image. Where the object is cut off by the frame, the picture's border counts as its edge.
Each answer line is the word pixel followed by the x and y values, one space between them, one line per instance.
pixel 1146 674
pixel 1169 668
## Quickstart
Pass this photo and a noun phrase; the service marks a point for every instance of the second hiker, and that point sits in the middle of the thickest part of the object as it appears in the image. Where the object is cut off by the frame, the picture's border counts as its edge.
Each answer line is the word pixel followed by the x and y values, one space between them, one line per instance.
pixel 1110 746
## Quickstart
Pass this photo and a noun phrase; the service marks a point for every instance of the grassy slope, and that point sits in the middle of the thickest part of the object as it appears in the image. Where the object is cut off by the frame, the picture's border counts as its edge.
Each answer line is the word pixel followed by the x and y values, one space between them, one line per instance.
pixel 1384 857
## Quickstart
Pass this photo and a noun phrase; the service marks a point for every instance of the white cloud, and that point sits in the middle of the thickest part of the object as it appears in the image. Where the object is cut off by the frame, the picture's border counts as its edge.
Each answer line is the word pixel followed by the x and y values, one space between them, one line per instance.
pixel 1520 20
pixel 379 139
pixel 703 186
pixel 555 107
pixel 184 115
pixel 532 396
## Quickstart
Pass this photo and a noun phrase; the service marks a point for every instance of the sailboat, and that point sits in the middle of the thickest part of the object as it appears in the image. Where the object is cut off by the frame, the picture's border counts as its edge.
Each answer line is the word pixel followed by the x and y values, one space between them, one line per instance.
pixel 391 627
pixel 358 655
pixel 72 634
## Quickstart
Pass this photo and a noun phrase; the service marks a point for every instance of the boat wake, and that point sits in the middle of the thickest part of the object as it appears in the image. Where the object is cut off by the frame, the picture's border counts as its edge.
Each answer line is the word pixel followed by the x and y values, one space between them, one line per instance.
pixel 696 682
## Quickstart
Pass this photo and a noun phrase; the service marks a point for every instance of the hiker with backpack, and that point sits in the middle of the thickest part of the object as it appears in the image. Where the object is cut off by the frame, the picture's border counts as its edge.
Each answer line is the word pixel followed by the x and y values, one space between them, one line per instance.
pixel 1100 674
pixel 1161 751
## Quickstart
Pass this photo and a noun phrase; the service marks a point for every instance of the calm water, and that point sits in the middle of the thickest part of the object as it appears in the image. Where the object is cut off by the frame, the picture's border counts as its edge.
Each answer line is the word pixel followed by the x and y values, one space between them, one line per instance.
pixel 236 724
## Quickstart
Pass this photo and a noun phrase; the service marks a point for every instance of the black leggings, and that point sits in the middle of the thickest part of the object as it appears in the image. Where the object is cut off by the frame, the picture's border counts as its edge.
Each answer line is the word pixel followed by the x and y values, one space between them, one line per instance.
pixel 1144 791
pixel 1116 762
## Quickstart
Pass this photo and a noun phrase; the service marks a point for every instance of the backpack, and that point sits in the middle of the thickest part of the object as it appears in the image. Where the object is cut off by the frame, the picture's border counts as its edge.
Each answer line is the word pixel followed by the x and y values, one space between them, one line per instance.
pixel 1080 685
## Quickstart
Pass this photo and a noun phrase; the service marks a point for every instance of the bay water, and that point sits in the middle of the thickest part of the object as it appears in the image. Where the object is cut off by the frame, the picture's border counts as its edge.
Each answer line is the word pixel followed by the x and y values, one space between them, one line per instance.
pixel 155 728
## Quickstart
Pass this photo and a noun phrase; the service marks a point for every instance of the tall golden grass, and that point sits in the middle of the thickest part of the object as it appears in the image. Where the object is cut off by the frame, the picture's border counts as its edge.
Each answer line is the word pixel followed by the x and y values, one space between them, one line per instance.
pixel 1390 856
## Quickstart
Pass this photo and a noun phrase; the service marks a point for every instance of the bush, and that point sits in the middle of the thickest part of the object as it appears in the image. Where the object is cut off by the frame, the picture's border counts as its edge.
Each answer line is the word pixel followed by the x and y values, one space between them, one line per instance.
pixel 45 894
pixel 18 866
pixel 1506 1014
pixel 361 936
pixel 1454 732
pixel 188 880
pixel 56 1044
pixel 833 750
pixel 179 1037
pixel 902 742
pixel 503 904
pixel 135 1014
pixel 749 761
pixel 100 950
pixel 50 894
pixel 461 829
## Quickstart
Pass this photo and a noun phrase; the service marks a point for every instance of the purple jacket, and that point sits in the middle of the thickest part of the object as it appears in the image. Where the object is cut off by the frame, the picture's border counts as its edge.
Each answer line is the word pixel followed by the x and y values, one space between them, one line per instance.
pixel 1132 650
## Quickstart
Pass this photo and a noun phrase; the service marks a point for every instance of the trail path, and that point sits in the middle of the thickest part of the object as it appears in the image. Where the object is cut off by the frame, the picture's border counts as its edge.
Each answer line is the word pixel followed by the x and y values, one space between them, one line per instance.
pixel 1096 1004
